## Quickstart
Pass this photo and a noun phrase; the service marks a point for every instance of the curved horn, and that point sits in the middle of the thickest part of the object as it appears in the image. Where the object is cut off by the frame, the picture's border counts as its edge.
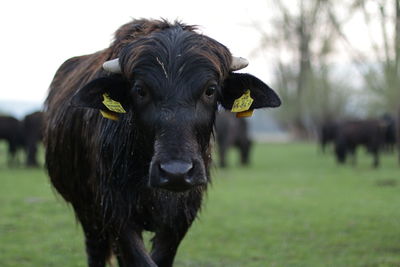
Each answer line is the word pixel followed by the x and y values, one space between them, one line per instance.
pixel 112 66
pixel 238 63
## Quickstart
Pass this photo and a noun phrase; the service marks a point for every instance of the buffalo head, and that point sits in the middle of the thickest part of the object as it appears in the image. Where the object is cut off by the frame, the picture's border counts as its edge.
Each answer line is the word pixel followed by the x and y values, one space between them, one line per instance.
pixel 170 83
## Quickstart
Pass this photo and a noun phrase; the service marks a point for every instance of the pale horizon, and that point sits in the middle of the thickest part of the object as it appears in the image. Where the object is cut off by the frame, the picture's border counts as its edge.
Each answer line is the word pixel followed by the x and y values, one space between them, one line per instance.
pixel 38 36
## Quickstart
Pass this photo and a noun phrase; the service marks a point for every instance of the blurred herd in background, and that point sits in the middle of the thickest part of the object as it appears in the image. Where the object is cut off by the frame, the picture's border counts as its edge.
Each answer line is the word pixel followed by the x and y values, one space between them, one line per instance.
pixel 339 137
pixel 376 135
pixel 336 67
pixel 22 136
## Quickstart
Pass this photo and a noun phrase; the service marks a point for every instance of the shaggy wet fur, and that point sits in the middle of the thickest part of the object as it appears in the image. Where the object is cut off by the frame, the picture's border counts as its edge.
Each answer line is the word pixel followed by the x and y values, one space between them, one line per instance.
pixel 172 80
pixel 101 166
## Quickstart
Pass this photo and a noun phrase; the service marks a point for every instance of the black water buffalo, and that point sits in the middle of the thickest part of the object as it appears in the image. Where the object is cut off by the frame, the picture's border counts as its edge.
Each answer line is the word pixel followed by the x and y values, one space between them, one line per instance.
pixel 11 131
pixel 33 132
pixel 390 132
pixel 398 133
pixel 146 167
pixel 327 133
pixel 351 134
pixel 232 132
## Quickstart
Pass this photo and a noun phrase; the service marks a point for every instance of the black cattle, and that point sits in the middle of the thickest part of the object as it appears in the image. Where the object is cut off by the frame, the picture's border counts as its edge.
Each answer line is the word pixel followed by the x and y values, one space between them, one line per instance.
pixel 232 132
pixel 33 132
pixel 351 134
pixel 11 131
pixel 390 132
pixel 147 166
pixel 398 133
pixel 327 134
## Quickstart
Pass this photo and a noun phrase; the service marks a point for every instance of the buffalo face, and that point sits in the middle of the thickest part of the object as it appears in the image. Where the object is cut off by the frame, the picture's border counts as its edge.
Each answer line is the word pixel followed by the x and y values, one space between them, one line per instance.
pixel 170 84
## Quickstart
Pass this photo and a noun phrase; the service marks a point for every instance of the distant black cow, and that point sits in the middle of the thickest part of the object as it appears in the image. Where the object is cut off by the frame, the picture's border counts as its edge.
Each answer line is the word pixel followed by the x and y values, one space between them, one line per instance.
pixel 33 132
pixel 232 132
pixel 390 132
pixel 127 135
pixel 327 134
pixel 397 119
pixel 351 134
pixel 12 132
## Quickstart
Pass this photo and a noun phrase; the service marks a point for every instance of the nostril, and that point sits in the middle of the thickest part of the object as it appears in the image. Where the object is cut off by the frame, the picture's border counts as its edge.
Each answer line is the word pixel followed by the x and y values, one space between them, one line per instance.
pixel 176 168
pixel 177 175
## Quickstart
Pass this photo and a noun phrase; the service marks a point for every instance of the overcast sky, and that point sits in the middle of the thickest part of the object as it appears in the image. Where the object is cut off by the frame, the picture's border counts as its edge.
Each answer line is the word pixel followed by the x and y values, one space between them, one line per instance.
pixel 37 36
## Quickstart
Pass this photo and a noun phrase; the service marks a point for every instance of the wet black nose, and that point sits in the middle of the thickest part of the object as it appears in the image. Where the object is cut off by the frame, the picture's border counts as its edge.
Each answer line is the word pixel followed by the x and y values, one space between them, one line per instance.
pixel 175 169
pixel 176 175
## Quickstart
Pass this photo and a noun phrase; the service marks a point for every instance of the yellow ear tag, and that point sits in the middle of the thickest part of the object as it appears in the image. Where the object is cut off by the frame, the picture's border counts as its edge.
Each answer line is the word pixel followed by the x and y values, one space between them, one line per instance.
pixel 109 115
pixel 242 103
pixel 244 114
pixel 112 105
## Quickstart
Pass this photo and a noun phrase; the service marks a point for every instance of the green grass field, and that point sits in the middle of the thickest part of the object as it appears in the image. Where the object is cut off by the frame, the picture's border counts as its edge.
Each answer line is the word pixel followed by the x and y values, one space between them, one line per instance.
pixel 292 207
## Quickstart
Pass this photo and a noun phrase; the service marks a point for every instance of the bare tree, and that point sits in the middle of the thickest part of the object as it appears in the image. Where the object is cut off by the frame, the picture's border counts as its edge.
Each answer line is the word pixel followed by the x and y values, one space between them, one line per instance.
pixel 380 69
pixel 382 74
pixel 304 38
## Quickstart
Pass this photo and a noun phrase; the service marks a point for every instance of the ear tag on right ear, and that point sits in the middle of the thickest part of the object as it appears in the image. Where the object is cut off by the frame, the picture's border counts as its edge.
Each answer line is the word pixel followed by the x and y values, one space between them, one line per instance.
pixel 109 115
pixel 113 105
pixel 242 103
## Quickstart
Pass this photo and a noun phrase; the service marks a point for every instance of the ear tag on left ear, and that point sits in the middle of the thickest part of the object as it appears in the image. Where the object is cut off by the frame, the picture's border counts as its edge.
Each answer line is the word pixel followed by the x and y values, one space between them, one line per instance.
pixel 113 105
pixel 244 114
pixel 242 103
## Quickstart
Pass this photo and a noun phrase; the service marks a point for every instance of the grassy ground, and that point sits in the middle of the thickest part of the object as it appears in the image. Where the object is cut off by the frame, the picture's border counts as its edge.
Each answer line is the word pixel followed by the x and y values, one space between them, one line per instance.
pixel 292 207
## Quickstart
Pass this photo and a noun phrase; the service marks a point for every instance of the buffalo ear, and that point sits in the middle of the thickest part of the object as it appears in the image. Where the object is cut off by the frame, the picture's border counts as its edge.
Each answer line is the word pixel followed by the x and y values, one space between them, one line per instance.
pixel 91 95
pixel 238 83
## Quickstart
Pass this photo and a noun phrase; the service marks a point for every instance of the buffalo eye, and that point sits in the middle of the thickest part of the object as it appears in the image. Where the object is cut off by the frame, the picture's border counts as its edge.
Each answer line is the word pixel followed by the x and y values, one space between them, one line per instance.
pixel 210 90
pixel 140 90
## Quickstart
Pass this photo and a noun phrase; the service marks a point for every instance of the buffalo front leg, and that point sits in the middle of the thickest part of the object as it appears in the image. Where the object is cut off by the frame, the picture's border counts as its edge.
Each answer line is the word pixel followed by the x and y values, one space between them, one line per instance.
pixel 98 247
pixel 165 246
pixel 131 250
